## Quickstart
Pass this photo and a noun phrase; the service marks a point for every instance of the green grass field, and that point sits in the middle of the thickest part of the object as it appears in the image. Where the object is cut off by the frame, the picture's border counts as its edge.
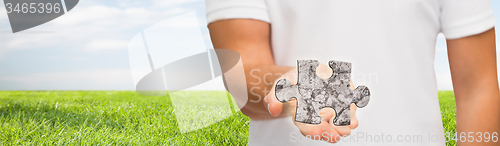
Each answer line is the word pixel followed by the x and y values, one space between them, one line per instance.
pixel 127 118
pixel 448 113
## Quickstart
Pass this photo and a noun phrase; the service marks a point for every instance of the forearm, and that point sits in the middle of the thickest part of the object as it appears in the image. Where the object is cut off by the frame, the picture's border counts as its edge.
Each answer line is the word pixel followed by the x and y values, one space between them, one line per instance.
pixel 251 39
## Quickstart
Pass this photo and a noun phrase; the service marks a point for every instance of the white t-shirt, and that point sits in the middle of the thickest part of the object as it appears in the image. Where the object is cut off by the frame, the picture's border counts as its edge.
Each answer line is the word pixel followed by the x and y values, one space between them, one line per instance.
pixel 390 44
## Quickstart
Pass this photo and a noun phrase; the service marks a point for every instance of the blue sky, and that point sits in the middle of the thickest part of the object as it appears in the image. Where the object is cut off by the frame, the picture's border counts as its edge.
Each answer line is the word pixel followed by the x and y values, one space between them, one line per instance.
pixel 86 49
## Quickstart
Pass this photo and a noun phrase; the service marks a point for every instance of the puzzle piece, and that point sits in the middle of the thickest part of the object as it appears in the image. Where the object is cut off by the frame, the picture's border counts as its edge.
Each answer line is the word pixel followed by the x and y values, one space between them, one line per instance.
pixel 314 93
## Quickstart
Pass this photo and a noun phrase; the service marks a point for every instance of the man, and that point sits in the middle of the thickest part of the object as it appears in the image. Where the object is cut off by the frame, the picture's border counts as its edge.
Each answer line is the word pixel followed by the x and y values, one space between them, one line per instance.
pixel 390 44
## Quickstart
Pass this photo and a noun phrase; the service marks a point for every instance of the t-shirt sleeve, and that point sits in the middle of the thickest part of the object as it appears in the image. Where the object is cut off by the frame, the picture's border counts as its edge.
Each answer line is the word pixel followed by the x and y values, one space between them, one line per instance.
pixel 233 9
pixel 461 18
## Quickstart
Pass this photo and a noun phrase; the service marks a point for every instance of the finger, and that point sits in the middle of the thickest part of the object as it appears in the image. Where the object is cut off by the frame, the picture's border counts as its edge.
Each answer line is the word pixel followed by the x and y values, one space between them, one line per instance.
pixel 290 106
pixel 272 104
pixel 354 119
pixel 324 71
pixel 341 130
pixel 329 134
pixel 322 131
pixel 309 129
pixel 327 114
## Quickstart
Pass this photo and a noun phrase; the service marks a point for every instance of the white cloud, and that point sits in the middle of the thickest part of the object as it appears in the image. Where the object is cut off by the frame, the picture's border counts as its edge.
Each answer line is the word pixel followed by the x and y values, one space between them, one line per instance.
pixel 444 80
pixel 441 49
pixel 104 44
pixel 87 14
pixel 498 41
pixel 89 28
pixel 3 16
pixel 441 43
pixel 443 76
pixel 169 3
pixel 103 79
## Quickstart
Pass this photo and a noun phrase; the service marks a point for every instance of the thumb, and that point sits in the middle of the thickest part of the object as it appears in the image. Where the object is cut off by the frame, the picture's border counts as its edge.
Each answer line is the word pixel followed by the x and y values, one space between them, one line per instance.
pixel 272 104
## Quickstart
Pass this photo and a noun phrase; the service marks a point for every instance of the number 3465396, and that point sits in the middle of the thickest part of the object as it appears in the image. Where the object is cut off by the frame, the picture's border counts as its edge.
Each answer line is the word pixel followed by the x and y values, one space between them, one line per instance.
pixel 472 137
pixel 33 8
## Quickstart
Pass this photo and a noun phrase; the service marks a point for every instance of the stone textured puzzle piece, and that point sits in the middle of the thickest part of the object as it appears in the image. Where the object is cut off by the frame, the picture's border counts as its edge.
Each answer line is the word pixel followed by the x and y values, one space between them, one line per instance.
pixel 314 93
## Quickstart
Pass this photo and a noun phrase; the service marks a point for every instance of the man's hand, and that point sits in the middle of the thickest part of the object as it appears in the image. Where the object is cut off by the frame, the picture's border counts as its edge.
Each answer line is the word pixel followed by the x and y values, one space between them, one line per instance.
pixel 251 38
pixel 277 108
